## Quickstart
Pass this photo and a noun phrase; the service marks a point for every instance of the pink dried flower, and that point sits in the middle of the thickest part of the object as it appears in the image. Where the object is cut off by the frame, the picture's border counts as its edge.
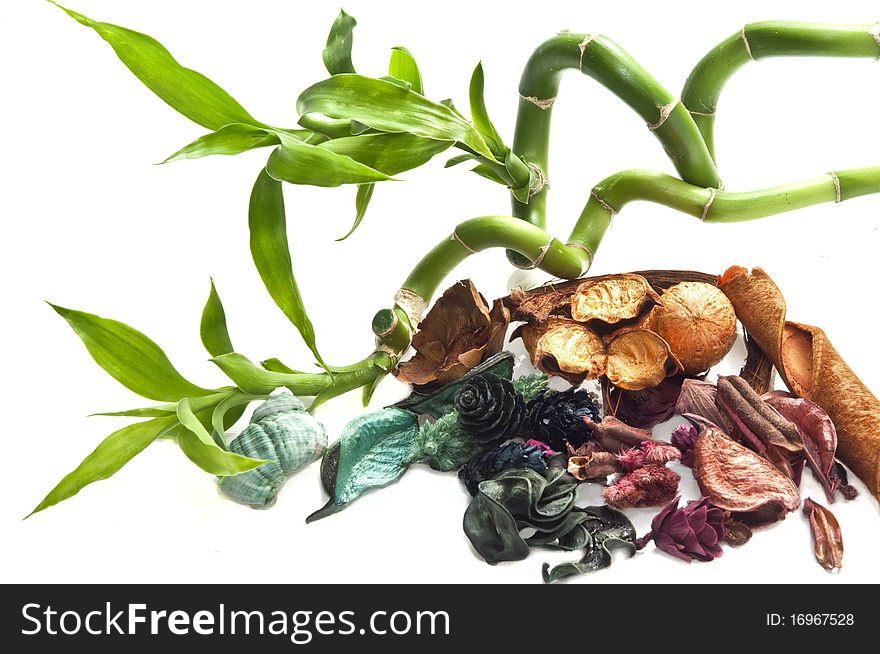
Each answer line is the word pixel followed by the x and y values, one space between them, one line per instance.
pixel 684 437
pixel 694 531
pixel 650 485
pixel 631 459
pixel 656 452
pixel 545 449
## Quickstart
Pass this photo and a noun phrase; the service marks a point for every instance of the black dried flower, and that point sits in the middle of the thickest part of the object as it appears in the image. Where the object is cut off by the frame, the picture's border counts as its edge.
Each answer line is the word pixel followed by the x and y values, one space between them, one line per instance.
pixel 490 409
pixel 557 418
pixel 485 465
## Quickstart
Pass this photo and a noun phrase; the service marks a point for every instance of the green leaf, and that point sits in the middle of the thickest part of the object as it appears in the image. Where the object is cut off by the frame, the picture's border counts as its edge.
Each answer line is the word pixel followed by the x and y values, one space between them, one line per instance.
pixel 388 108
pixel 337 54
pixel 481 117
pixel 373 451
pixel 231 139
pixel 485 171
pixel 388 153
pixel 227 412
pixel 276 365
pixel 254 380
pixel 271 254
pixel 300 163
pixel 201 449
pixel 403 67
pixel 449 104
pixel 115 451
pixel 215 335
pixel 129 357
pixel 189 92
pixel 459 159
pixel 144 412
pixel 361 202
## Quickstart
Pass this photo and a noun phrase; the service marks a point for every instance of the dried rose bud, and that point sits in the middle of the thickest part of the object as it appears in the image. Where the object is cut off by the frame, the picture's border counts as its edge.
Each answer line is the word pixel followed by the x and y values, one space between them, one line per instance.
pixel 694 531
pixel 650 485
pixel 684 437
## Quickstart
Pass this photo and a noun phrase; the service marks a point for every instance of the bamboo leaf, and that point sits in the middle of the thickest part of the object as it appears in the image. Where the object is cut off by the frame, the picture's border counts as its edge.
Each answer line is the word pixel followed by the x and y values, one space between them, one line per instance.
pixel 460 158
pixel 271 254
pixel 107 459
pixel 254 380
pixel 388 108
pixel 213 330
pixel 144 412
pixel 481 117
pixel 403 67
pixel 201 449
pixel 276 365
pixel 230 140
pixel 485 171
pixel 361 202
pixel 130 357
pixel 227 412
pixel 388 153
pixel 189 92
pixel 301 163
pixel 337 54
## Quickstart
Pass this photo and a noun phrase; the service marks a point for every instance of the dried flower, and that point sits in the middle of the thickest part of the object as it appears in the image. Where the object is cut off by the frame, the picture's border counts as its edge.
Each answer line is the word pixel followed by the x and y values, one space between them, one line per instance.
pixel 545 449
pixel 631 458
pixel 458 333
pixel 650 485
pixel 558 418
pixel 489 409
pixel 659 452
pixel 684 437
pixel 694 531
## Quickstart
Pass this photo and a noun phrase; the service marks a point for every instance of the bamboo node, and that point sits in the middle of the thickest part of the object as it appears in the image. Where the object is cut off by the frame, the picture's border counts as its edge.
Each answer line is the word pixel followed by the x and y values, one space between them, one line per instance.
pixel 455 237
pixel 603 204
pixel 746 43
pixel 543 104
pixel 836 180
pixel 875 32
pixel 708 205
pixel 540 180
pixel 413 304
pixel 541 254
pixel 582 46
pixel 665 113
pixel 710 114
pixel 580 246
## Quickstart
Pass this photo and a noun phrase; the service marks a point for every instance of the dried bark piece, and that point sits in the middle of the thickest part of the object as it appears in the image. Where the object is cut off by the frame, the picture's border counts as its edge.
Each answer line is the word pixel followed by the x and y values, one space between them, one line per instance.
pixel 612 299
pixel 759 423
pixel 811 368
pixel 639 358
pixel 458 333
pixel 698 322
pixel 736 479
pixel 827 540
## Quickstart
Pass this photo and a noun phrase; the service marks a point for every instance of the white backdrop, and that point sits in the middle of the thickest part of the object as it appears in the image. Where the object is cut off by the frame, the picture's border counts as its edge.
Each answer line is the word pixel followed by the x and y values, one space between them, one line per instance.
pixel 89 223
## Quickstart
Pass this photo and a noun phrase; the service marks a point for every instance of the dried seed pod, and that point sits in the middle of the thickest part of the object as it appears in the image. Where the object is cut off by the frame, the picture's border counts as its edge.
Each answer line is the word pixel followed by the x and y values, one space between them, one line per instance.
pixel 736 479
pixel 827 541
pixel 698 322
pixel 638 358
pixel 564 348
pixel 612 299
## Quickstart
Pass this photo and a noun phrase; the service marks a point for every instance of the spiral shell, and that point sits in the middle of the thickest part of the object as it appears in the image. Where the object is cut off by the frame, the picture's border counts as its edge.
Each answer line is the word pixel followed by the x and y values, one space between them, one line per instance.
pixel 281 431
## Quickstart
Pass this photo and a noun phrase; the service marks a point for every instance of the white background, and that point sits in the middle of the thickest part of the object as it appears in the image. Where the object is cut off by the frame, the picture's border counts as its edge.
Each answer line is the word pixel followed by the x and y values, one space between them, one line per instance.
pixel 89 223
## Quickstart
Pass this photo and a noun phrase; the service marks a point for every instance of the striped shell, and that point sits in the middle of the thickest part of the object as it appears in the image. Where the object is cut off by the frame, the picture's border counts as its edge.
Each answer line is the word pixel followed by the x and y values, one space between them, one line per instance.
pixel 281 431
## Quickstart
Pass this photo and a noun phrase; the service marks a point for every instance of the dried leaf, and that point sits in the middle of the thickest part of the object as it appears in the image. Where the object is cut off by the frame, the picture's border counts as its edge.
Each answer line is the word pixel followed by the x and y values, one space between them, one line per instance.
pixel 736 479
pixel 458 333
pixel 827 540
pixel 639 358
pixel 697 321
pixel 696 402
pixel 612 299
pixel 647 407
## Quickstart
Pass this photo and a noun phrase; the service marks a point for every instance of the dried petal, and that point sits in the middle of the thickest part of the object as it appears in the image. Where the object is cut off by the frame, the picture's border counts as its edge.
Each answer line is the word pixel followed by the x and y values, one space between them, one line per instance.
pixel 611 299
pixel 684 437
pixel 736 479
pixel 458 333
pixel 828 543
pixel 817 432
pixel 638 358
pixel 698 322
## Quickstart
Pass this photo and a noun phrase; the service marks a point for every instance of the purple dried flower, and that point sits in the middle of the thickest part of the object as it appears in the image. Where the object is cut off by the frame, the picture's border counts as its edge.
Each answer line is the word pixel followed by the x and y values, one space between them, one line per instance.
pixel 545 449
pixel 694 531
pixel 684 437
pixel 660 453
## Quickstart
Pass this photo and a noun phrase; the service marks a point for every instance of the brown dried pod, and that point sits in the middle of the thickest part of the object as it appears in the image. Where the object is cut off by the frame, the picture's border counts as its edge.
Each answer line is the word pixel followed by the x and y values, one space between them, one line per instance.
pixel 811 368
pixel 697 321
pixel 736 479
pixel 638 358
pixel 612 299
pixel 595 465
pixel 737 533
pixel 564 348
pixel 827 540
pixel 458 333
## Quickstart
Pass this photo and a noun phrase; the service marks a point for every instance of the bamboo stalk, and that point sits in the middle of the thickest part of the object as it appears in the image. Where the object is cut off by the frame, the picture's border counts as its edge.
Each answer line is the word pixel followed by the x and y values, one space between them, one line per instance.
pixel 763 40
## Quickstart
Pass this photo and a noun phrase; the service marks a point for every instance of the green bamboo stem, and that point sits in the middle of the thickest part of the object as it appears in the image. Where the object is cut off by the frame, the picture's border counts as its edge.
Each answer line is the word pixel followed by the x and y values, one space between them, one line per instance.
pixel 763 40
pixel 611 66
pixel 711 205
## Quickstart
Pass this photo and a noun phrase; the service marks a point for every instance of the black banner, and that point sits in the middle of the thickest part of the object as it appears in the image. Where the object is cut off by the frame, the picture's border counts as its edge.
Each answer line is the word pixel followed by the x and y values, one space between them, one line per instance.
pixel 572 617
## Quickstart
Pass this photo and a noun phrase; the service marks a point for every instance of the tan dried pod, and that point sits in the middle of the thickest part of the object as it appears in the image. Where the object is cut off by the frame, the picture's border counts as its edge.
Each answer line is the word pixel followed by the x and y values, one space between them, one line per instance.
pixel 698 322
pixel 571 348
pixel 638 358
pixel 612 299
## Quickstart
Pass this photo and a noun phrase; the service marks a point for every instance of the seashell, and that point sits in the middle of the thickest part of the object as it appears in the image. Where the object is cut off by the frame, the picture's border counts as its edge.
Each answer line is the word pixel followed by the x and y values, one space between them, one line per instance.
pixel 283 432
